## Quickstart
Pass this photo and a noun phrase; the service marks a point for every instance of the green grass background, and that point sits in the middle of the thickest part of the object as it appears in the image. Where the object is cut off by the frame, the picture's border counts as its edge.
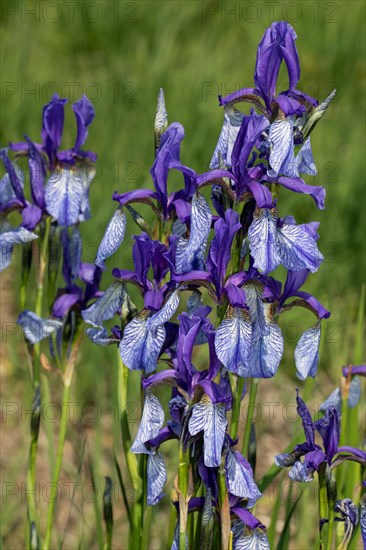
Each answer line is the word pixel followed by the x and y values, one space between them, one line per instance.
pixel 194 50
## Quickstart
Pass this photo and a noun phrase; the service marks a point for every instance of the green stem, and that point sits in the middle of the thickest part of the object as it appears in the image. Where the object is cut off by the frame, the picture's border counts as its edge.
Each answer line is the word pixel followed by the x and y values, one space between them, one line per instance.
pixel 225 523
pixel 57 471
pixel 323 503
pixel 31 484
pixel 235 415
pixel 131 459
pixel 68 376
pixel 183 480
pixel 251 407
pixel 42 261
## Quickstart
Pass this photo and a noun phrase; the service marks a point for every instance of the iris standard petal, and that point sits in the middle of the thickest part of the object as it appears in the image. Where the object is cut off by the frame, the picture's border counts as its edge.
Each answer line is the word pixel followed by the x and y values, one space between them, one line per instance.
pixel 299 186
pixel 84 114
pixel 307 353
pixel 233 340
pixel 36 328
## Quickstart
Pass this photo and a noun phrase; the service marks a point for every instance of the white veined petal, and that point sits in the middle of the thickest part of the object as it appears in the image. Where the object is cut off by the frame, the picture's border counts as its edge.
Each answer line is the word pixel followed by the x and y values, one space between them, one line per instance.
pixel 233 340
pixel 262 235
pixel 36 328
pixel 188 249
pixel 156 478
pixel 307 353
pixel 112 238
pixel 282 157
pixel 150 425
pixel 267 351
pixel 106 306
pixel 245 538
pixel 297 249
pixel 304 159
pixel 167 311
pixel 8 238
pixel 230 129
pixel 65 191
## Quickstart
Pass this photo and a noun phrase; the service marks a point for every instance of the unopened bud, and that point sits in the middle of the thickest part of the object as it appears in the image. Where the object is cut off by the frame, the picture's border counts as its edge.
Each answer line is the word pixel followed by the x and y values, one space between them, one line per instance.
pixel 36 414
pixel 107 504
pixel 161 118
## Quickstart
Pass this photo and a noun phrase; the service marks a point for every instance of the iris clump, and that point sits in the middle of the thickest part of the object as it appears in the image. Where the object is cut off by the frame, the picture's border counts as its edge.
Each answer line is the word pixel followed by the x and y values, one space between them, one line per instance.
pixel 205 272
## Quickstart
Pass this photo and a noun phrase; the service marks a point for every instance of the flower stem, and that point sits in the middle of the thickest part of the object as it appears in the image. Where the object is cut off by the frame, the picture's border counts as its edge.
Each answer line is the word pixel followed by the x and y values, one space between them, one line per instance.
pixel 68 376
pixel 42 262
pixel 235 416
pixel 251 407
pixel 183 481
pixel 323 503
pixel 131 459
pixel 225 526
pixel 57 471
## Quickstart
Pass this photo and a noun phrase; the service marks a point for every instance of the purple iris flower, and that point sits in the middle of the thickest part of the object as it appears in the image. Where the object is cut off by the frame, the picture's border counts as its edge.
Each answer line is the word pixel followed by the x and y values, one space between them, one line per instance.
pixel 144 336
pixel 167 158
pixel 276 46
pixel 288 118
pixel 65 196
pixel 329 429
pixel 211 398
pixel 12 199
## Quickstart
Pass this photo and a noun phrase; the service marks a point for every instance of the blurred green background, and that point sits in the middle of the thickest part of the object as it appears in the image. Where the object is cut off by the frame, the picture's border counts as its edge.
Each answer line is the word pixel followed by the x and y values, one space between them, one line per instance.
pixel 120 54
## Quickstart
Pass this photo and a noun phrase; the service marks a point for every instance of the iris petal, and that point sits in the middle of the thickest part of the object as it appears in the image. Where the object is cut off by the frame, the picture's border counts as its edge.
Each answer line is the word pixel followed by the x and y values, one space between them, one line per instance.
pixel 209 417
pixel 262 235
pixel 140 347
pixel 66 194
pixel 245 538
pixel 282 157
pixel 188 250
pixel 106 306
pixel 297 248
pixel 307 353
pixel 112 238
pixel 151 422
pixel 304 159
pixel 239 476
pixel 36 328
pixel 156 478
pixel 10 236
pixel 267 351
pixel 233 340
pixel 230 129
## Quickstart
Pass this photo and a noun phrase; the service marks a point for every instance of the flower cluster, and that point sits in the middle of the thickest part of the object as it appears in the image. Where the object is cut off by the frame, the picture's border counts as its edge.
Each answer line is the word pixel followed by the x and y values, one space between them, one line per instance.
pixel 58 201
pixel 227 253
